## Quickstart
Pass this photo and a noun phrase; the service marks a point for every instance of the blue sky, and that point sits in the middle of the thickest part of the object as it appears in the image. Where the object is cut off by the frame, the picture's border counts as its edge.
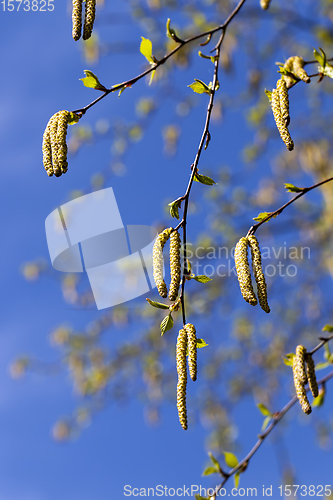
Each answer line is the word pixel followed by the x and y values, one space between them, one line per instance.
pixel 41 67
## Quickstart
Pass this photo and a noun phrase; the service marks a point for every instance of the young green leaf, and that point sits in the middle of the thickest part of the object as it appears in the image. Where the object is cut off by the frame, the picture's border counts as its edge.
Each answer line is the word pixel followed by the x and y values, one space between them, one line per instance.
pixel 146 49
pixel 292 189
pixel 73 118
pixel 269 94
pixel 236 479
pixel 230 459
pixel 264 410
pixel 210 470
pixel 204 179
pixel 202 278
pixel 91 81
pixel 152 74
pixel 200 87
pixel 263 216
pixel 214 461
pixel 201 343
pixel 321 58
pixel 265 423
pixel 322 366
pixel 328 328
pixel 174 208
pixel 159 305
pixel 167 324
pixel 288 359
pixel 319 400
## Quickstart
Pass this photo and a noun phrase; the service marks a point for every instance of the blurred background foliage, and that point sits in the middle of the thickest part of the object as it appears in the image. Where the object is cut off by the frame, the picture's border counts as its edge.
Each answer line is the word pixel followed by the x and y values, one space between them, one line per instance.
pixel 120 355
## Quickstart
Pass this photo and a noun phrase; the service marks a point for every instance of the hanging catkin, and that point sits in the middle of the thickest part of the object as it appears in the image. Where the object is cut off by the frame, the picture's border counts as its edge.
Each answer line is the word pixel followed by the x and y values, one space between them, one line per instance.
pixel 54 144
pixel 158 261
pixel 192 350
pixel 300 363
pixel 89 18
pixel 299 387
pixel 77 19
pixel 281 87
pixel 175 270
pixel 182 377
pixel 280 123
pixel 243 272
pixel 311 374
pixel 264 4
pixel 258 273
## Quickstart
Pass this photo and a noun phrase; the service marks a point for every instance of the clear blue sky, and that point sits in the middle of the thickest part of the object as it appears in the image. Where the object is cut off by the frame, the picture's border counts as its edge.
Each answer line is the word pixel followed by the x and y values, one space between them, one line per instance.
pixel 40 70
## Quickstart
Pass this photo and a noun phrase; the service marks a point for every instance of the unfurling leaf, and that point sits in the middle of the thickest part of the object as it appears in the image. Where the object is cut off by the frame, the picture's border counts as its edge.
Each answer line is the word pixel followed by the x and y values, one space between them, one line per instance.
pixel 202 278
pixel 321 58
pixel 204 179
pixel 292 189
pixel 269 94
pixel 146 49
pixel 288 359
pixel 230 459
pixel 214 461
pixel 159 305
pixel 174 208
pixel 166 324
pixel 264 410
pixel 201 343
pixel 171 33
pixel 200 87
pixel 265 423
pixel 73 118
pixel 236 479
pixel 199 497
pixel 319 400
pixel 91 81
pixel 208 138
pixel 152 74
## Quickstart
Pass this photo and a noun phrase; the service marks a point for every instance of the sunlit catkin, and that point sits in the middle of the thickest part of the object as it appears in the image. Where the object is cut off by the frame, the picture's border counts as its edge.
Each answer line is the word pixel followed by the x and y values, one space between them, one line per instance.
pixel 311 374
pixel 264 4
pixel 77 19
pixel 175 270
pixel 300 363
pixel 243 272
pixel 281 87
pixel 182 377
pixel 158 262
pixel 300 390
pixel 281 126
pixel 54 144
pixel 192 350
pixel 258 273
pixel 89 18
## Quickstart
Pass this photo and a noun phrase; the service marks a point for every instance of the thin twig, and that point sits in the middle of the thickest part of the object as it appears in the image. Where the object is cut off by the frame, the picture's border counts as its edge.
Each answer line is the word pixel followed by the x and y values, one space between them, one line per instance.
pixel 305 190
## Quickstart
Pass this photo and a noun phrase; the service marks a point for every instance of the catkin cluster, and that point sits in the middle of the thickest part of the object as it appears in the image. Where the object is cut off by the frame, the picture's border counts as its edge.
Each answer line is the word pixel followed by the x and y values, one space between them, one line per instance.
pixel 264 4
pixel 304 372
pixel 280 108
pixel 54 144
pixel 295 66
pixel 175 268
pixel 89 18
pixel 244 273
pixel 186 344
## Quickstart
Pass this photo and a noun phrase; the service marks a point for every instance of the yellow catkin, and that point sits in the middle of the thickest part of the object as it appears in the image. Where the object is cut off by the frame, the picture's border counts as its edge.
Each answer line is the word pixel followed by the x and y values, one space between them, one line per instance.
pixel 281 126
pixel 158 262
pixel 281 87
pixel 54 144
pixel 311 374
pixel 89 18
pixel 300 390
pixel 192 350
pixel 299 71
pixel 264 4
pixel 243 272
pixel 258 273
pixel 77 19
pixel 182 377
pixel 300 362
pixel 175 270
